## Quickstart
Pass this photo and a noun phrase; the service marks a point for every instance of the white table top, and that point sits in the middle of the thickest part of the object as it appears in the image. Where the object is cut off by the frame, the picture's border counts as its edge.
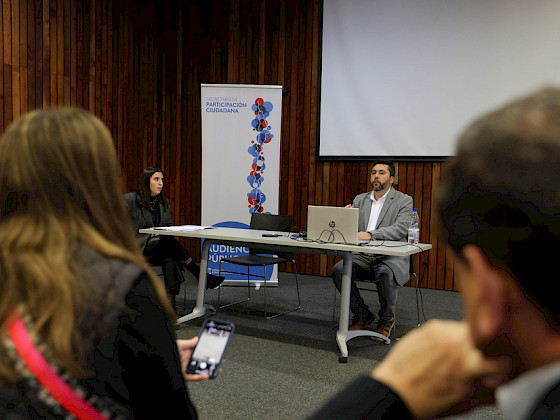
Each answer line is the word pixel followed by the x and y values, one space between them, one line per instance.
pixel 253 236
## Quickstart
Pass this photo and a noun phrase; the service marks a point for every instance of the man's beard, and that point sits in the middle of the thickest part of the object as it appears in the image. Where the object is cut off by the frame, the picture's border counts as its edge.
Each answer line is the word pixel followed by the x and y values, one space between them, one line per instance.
pixel 379 187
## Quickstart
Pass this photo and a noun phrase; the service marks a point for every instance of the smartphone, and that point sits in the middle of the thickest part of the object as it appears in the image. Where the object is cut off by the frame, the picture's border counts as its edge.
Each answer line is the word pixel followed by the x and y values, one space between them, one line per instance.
pixel 213 342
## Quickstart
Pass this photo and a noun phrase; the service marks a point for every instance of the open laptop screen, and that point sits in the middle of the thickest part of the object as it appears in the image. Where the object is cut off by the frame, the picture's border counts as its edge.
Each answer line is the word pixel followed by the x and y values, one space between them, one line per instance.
pixel 332 224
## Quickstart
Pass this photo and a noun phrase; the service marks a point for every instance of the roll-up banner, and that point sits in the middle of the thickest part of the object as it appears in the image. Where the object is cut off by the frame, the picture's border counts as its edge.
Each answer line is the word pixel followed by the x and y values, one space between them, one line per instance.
pixel 240 164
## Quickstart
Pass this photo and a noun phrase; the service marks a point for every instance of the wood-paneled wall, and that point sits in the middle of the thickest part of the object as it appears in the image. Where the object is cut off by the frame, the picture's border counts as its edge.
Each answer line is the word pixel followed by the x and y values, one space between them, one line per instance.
pixel 138 65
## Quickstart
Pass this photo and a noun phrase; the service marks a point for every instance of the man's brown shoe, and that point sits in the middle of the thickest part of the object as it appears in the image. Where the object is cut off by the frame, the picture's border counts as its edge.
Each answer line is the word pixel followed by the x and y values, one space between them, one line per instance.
pixel 384 328
pixel 361 323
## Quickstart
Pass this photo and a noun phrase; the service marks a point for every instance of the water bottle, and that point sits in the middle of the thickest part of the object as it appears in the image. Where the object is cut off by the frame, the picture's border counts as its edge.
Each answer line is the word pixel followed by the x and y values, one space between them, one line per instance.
pixel 414 229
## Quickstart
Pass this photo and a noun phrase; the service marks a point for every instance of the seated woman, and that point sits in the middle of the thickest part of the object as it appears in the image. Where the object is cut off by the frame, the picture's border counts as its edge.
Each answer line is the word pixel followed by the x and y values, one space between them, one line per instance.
pixel 149 208
pixel 83 326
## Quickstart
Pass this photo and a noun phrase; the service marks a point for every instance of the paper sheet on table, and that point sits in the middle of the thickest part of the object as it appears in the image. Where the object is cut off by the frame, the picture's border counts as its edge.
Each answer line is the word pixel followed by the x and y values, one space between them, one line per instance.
pixel 182 228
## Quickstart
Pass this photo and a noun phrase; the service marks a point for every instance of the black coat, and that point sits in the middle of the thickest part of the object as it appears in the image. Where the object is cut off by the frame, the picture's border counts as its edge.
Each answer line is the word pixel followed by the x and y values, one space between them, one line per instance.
pixel 131 354
pixel 549 406
pixel 141 216
pixel 366 398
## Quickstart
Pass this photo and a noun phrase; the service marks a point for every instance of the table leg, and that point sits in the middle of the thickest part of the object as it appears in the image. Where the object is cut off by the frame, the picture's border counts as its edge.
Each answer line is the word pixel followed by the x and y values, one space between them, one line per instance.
pixel 200 308
pixel 341 334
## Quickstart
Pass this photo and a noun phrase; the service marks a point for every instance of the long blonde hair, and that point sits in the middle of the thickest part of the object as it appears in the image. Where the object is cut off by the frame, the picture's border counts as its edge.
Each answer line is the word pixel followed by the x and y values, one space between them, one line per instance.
pixel 59 187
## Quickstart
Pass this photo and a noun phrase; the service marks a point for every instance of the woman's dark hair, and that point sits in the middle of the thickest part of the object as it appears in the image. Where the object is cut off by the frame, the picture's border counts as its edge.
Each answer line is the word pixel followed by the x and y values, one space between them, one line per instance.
pixel 144 190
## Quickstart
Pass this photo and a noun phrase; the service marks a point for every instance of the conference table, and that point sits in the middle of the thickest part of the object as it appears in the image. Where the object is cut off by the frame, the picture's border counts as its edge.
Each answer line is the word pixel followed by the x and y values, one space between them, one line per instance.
pixel 287 242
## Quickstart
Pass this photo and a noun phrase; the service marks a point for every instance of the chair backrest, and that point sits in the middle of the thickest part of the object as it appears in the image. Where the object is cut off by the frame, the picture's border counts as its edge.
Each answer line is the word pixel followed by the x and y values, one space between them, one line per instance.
pixel 272 222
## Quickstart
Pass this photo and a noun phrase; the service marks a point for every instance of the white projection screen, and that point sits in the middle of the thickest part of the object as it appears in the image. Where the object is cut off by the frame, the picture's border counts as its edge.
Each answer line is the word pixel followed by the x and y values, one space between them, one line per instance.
pixel 402 78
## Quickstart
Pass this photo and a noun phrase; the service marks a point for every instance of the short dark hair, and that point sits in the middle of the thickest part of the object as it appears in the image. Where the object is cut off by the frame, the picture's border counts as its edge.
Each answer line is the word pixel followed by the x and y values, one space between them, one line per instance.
pixel 390 164
pixel 501 192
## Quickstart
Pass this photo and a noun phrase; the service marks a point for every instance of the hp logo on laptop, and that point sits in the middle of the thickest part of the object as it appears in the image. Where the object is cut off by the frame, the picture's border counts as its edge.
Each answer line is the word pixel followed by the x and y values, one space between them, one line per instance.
pixel 332 224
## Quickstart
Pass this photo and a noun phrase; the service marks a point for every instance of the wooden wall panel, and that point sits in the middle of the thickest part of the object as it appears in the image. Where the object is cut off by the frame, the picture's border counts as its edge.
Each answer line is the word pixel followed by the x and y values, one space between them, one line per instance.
pixel 138 65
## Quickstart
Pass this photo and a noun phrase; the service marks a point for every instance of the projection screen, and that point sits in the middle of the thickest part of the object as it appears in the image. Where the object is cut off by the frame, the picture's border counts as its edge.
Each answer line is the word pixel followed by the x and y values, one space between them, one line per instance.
pixel 401 78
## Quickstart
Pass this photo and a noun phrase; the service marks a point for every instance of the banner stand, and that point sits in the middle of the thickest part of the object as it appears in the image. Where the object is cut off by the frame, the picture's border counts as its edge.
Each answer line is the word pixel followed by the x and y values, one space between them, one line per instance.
pixel 241 126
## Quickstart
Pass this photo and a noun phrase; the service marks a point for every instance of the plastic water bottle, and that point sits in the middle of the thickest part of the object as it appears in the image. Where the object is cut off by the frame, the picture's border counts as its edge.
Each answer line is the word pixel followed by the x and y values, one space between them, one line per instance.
pixel 414 229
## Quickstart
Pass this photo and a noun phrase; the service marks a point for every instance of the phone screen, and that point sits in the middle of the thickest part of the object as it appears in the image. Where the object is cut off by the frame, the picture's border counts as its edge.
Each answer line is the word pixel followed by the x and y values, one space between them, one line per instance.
pixel 212 343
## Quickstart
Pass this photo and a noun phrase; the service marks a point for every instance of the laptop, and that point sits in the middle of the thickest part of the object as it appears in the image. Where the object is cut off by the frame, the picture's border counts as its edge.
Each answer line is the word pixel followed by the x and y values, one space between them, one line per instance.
pixel 338 225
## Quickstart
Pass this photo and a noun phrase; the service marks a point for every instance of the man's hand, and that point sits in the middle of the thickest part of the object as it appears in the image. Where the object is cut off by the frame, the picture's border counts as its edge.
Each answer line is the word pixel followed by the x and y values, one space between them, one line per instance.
pixel 364 236
pixel 436 370
pixel 185 350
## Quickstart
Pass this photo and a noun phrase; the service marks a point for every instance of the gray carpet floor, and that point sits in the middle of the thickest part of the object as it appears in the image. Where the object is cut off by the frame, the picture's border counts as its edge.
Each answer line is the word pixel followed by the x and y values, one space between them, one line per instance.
pixel 284 368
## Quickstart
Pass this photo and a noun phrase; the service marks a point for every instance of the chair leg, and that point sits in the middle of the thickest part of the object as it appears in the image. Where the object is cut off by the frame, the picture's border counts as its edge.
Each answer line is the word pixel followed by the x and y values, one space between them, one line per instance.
pixel 248 283
pixel 185 296
pixel 334 323
pixel 239 301
pixel 418 303
pixel 297 282
pixel 264 281
pixel 180 271
pixel 220 286
pixel 298 296
pixel 265 293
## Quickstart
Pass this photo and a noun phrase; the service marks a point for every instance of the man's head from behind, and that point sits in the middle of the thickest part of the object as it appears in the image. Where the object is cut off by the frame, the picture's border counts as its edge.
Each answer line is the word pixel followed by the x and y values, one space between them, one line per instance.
pixel 501 193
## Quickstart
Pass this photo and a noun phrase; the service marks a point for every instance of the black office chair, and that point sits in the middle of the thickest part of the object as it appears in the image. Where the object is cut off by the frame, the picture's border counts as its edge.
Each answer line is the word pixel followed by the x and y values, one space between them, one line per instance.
pixel 372 287
pixel 268 222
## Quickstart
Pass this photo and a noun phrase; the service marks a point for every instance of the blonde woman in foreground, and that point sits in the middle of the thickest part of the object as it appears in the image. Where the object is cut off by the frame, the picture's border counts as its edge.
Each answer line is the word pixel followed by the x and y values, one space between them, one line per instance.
pixel 73 283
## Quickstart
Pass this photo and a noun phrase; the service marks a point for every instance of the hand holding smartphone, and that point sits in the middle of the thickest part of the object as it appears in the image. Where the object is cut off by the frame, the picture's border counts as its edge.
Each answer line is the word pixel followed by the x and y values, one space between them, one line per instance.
pixel 213 341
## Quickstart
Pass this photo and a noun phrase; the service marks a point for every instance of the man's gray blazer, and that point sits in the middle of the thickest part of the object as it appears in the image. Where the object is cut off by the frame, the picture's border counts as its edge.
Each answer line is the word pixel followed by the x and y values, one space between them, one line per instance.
pixel 392 225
